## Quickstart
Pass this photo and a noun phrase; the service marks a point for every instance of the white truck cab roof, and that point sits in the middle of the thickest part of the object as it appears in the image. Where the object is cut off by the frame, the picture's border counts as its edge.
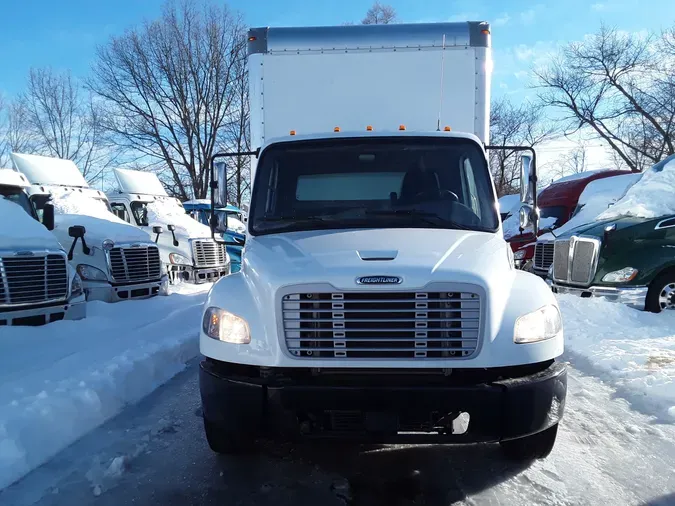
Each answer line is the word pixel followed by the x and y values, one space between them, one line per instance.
pixel 44 170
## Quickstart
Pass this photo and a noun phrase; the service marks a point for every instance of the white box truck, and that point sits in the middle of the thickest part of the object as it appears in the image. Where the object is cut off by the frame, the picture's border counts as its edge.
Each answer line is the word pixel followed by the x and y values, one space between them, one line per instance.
pixel 186 247
pixel 377 299
pixel 37 284
pixel 115 260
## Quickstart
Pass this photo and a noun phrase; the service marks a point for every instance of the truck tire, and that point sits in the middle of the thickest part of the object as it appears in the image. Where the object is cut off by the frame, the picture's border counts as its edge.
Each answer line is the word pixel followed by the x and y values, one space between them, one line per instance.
pixel 661 294
pixel 224 442
pixel 536 446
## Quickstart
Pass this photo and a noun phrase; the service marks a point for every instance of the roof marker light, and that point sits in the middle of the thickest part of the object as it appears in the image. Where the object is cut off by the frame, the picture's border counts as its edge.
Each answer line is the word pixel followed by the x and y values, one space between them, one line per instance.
pixel 401 127
pixel 369 128
pixel 336 129
pixel 485 32
pixel 447 129
pixel 292 132
pixel 252 38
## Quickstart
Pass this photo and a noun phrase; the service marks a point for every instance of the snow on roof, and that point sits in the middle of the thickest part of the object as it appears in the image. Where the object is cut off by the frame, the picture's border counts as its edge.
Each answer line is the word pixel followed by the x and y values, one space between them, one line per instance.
pixel 136 181
pixel 650 197
pixel 597 197
pixel 10 177
pixel 49 171
pixel 80 208
pixel 576 177
pixel 169 212
pixel 198 202
pixel 509 203
pixel 18 229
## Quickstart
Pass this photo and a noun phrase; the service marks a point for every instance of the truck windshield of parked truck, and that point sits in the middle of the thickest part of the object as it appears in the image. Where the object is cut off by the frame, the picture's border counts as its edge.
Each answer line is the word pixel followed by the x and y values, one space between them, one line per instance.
pixel 557 213
pixel 18 196
pixel 373 183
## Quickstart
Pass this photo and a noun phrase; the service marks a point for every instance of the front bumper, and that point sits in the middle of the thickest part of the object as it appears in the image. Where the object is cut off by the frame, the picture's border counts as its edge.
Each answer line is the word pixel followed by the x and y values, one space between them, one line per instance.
pixel 635 296
pixel 384 406
pixel 197 275
pixel 103 291
pixel 76 309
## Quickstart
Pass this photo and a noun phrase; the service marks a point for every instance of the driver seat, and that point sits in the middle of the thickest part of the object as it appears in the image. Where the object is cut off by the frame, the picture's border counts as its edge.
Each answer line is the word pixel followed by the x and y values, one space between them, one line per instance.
pixel 417 181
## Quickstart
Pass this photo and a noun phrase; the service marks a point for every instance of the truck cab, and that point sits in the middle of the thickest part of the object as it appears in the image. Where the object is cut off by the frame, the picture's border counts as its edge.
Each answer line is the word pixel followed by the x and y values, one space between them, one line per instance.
pixel 557 203
pixel 115 260
pixel 37 285
pixel 377 299
pixel 187 250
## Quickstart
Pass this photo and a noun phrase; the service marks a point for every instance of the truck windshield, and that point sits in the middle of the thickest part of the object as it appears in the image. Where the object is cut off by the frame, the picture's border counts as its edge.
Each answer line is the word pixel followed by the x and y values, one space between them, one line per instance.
pixel 17 196
pixel 556 215
pixel 373 183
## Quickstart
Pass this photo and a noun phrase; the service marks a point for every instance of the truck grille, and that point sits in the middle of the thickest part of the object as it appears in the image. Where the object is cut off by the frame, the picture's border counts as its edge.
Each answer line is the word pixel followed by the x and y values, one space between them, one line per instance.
pixel 135 264
pixel 575 260
pixel 543 255
pixel 33 279
pixel 376 325
pixel 208 253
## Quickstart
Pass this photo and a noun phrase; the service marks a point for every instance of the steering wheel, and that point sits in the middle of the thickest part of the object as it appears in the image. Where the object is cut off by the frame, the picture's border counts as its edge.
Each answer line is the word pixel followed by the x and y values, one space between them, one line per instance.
pixel 439 194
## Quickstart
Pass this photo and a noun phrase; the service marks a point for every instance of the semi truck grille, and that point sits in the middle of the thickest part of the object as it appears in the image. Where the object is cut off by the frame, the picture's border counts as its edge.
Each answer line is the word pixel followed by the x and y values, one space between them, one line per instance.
pixel 543 255
pixel 208 253
pixel 575 260
pixel 33 279
pixel 135 264
pixel 377 325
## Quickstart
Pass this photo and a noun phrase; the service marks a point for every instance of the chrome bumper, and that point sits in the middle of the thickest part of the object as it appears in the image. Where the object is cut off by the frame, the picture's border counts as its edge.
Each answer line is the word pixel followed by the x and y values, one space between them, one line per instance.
pixel 197 275
pixel 103 291
pixel 631 296
pixel 76 309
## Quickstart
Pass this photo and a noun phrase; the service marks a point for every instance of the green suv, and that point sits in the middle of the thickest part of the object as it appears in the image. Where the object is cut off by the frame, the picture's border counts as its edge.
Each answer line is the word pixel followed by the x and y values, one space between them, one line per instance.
pixel 623 257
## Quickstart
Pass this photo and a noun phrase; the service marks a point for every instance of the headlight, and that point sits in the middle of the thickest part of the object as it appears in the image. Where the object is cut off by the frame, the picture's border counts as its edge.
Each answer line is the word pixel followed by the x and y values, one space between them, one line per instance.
pixel 175 258
pixel 544 323
pixel 518 255
pixel 92 273
pixel 223 326
pixel 621 276
pixel 76 286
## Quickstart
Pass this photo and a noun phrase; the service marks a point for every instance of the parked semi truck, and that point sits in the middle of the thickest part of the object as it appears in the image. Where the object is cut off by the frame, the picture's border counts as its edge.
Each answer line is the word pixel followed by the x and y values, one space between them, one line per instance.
pixel 37 284
pixel 115 260
pixel 377 298
pixel 186 247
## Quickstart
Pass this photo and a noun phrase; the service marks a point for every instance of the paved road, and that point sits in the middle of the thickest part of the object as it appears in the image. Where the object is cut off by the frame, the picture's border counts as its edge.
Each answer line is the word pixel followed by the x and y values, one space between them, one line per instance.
pixel 155 453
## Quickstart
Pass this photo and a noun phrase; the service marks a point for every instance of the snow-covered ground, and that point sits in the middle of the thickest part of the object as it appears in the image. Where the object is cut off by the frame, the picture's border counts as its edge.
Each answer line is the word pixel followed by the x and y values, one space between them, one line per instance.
pixel 59 381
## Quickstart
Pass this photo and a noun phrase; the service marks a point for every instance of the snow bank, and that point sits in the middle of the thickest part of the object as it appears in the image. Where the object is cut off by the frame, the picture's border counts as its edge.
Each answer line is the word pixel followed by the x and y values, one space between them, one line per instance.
pixel 650 197
pixel 18 229
pixel 165 212
pixel 59 381
pixel 82 208
pixel 597 197
pixel 632 350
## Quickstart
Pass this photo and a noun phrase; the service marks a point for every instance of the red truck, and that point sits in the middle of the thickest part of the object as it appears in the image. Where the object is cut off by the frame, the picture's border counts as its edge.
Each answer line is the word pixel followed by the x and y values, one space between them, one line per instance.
pixel 557 203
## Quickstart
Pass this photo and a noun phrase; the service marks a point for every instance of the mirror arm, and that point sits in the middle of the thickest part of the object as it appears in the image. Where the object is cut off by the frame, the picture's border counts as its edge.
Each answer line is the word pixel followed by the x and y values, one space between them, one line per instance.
pixel 175 241
pixel 72 248
pixel 85 249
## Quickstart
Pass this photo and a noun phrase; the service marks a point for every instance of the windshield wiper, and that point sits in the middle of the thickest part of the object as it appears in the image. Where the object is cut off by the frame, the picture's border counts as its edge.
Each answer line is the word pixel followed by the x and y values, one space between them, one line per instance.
pixel 423 216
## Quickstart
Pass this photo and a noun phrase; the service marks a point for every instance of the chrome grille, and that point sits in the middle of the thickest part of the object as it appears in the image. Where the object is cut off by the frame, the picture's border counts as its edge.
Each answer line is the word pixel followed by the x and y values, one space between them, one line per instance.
pixel 135 264
pixel 576 260
pixel 377 325
pixel 543 255
pixel 208 253
pixel 33 279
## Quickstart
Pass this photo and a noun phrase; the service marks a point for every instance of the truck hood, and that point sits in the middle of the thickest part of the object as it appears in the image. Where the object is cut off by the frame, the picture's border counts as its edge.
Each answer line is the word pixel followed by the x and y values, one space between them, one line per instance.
pixel 597 228
pixel 419 256
pixel 98 230
pixel 21 232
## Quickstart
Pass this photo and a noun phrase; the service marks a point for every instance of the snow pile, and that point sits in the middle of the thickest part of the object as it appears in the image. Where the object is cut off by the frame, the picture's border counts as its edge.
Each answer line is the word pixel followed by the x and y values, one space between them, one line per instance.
pixel 511 225
pixel 597 197
pixel 235 225
pixel 18 229
pixel 74 207
pixel 650 197
pixel 59 381
pixel 165 212
pixel 632 350
pixel 509 203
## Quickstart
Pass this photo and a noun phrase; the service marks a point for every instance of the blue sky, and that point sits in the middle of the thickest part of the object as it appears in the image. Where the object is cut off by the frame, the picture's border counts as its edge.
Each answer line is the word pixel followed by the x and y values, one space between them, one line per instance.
pixel 65 34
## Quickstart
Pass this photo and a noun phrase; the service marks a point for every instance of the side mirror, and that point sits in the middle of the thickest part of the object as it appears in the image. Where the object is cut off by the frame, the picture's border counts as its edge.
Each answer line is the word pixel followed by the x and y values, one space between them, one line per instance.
pixel 171 228
pixel 220 177
pixel 526 187
pixel 527 216
pixel 77 231
pixel 48 216
pixel 158 230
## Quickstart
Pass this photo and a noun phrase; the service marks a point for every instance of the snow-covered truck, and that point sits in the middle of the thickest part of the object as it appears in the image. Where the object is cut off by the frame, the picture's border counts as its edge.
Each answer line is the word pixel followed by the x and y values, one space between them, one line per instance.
pixel 37 284
pixel 187 250
pixel 377 298
pixel 115 260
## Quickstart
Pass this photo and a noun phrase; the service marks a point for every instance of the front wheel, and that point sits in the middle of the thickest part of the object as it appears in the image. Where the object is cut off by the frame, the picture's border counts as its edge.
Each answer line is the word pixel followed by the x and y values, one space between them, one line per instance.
pixel 661 294
pixel 536 446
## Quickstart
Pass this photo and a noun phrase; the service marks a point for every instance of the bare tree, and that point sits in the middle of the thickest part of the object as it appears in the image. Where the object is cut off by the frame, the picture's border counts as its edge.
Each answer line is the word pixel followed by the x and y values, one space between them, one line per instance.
pixel 379 14
pixel 614 85
pixel 522 125
pixel 169 88
pixel 15 132
pixel 62 120
pixel 574 161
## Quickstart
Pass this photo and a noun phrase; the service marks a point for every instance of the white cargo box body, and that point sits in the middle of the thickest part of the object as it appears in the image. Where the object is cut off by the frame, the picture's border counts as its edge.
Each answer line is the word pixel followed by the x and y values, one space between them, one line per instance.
pixel 422 76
